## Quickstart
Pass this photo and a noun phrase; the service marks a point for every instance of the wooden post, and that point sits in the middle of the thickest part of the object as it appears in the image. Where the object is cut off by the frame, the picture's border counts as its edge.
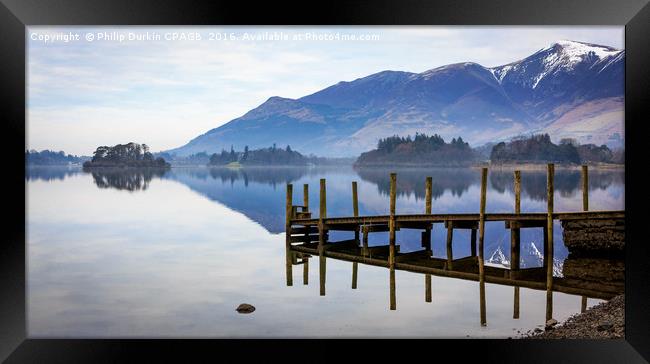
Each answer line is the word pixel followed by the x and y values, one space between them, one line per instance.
pixel 305 196
pixel 323 200
pixel 289 208
pixel 427 288
pixel 365 241
pixel 322 265
pixel 355 208
pixel 515 233
pixel 427 195
pixel 355 199
pixel 515 312
pixel 321 235
pixel 585 207
pixel 450 238
pixel 549 244
pixel 585 188
pixel 515 242
pixel 355 211
pixel 305 271
pixel 481 237
pixel 426 236
pixel 391 249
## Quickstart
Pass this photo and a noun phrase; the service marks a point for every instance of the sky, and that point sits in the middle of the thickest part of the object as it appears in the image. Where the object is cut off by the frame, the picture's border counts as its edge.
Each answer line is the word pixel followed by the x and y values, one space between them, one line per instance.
pixel 88 87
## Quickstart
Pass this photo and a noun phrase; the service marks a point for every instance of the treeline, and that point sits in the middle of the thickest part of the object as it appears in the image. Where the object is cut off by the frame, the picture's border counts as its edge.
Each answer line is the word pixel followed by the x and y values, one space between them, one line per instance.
pixel 539 148
pixel 261 157
pixel 125 155
pixel 421 150
pixel 50 158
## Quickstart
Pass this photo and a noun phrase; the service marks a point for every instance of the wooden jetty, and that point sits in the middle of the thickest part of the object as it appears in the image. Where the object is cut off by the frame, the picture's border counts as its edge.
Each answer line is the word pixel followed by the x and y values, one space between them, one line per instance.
pixel 307 236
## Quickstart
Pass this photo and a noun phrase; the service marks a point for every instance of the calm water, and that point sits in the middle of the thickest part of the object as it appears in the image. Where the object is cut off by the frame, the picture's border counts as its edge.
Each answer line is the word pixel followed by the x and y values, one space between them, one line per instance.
pixel 156 254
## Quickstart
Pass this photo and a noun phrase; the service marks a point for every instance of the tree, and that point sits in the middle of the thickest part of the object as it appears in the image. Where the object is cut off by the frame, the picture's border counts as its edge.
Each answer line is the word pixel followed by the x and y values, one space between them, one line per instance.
pixel 245 156
pixel 233 156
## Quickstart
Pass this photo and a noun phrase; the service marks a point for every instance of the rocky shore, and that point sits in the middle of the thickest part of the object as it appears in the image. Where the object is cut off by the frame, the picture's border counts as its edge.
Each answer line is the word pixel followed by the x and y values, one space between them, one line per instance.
pixel 603 321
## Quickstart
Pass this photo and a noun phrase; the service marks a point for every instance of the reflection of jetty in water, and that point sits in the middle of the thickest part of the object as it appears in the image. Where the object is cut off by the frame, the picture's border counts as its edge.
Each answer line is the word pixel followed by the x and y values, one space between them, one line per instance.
pixel 130 179
pixel 307 237
pixel 586 277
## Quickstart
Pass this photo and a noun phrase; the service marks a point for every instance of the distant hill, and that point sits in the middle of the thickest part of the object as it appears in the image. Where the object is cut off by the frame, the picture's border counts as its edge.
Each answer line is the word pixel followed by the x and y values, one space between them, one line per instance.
pixel 50 158
pixel 422 150
pixel 567 90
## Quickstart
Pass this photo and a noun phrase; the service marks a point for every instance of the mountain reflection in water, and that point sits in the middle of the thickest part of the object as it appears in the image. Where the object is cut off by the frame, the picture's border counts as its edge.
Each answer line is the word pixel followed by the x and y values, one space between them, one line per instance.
pixel 204 240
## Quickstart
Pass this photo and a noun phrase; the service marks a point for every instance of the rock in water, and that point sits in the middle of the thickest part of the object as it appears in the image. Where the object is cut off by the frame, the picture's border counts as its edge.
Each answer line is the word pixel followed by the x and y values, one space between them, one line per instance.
pixel 245 308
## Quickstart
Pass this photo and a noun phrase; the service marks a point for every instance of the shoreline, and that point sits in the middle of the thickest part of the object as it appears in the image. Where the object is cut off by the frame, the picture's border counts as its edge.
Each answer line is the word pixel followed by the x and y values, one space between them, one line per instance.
pixel 603 321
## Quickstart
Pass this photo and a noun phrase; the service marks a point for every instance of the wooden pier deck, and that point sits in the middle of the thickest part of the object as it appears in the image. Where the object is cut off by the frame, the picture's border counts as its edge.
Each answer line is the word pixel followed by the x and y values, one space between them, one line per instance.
pixel 307 236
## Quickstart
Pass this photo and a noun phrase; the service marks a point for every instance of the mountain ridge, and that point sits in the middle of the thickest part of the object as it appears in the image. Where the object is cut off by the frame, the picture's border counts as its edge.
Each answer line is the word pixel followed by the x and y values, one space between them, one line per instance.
pixel 569 89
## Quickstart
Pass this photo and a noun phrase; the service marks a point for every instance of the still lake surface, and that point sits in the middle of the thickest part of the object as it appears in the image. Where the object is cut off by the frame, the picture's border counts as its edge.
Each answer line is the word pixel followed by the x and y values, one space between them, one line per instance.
pixel 172 254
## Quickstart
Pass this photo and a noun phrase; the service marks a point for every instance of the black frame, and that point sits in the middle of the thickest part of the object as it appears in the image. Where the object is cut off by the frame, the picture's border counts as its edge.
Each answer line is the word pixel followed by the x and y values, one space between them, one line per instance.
pixel 15 15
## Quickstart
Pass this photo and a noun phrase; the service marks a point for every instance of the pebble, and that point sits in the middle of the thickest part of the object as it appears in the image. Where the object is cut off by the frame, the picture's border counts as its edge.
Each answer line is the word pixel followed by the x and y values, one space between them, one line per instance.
pixel 245 308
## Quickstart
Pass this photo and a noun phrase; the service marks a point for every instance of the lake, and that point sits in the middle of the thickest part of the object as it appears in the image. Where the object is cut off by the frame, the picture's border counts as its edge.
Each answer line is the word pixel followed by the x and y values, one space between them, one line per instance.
pixel 172 253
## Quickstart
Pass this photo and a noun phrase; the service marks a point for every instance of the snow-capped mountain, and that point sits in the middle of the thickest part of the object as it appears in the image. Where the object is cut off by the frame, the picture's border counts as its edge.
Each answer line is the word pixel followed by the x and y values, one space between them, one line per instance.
pixel 570 89
pixel 531 257
pixel 498 258
pixel 532 252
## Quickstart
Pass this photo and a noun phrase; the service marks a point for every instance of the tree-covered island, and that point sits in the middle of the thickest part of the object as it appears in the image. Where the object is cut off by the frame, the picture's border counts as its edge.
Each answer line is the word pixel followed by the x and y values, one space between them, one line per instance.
pixel 540 149
pixel 125 155
pixel 420 151
pixel 259 157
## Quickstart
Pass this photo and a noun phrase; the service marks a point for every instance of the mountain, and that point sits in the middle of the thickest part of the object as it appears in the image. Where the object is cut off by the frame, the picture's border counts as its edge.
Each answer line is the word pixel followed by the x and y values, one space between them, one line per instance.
pixel 530 257
pixel 570 89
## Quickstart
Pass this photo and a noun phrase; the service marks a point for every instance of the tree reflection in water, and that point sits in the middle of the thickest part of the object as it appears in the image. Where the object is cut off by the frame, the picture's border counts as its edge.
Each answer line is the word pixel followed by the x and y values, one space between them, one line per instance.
pixel 130 179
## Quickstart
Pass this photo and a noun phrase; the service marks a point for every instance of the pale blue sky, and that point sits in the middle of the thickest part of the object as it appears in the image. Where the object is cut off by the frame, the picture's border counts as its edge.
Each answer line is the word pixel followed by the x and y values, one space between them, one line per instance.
pixel 82 94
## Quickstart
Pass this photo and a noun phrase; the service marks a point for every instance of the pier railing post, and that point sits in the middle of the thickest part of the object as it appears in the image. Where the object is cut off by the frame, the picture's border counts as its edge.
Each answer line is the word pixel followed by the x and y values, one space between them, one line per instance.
pixel 585 207
pixel 355 207
pixel 355 211
pixel 549 243
pixel 391 249
pixel 305 271
pixel 427 234
pixel 585 188
pixel 515 241
pixel 427 195
pixel 481 237
pixel 305 197
pixel 321 235
pixel 427 288
pixel 289 262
